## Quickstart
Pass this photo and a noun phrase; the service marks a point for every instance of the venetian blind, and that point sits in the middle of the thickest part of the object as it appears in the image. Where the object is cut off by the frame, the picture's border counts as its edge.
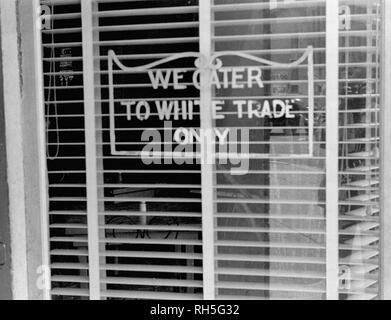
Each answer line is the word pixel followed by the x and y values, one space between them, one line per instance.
pixel 64 106
pixel 149 215
pixel 150 211
pixel 359 150
pixel 143 236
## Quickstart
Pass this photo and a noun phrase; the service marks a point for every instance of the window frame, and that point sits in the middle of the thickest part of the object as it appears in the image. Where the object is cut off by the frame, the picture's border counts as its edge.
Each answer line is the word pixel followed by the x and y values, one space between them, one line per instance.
pixel 38 129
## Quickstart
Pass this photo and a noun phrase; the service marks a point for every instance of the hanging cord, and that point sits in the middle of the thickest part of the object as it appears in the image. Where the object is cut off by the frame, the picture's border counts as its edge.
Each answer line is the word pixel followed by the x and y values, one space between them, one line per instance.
pixel 52 84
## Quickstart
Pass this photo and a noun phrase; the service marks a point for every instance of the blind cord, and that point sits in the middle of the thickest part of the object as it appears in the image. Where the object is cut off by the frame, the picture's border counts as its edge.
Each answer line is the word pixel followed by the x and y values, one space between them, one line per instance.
pixel 52 81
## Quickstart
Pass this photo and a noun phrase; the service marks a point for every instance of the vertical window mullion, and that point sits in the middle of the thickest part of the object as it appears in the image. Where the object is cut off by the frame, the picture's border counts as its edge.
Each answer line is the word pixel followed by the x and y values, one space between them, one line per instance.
pixel 386 154
pixel 332 144
pixel 91 151
pixel 205 20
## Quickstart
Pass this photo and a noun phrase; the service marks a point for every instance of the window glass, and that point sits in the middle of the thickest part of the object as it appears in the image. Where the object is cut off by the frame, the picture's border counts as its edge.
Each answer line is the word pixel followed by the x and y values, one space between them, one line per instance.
pixel 270 221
